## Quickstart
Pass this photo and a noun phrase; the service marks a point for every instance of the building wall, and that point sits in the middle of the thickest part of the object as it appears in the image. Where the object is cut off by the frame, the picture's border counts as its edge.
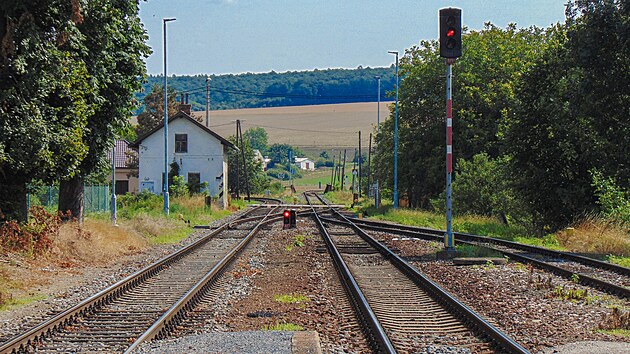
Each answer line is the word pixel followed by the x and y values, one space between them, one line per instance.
pixel 311 165
pixel 125 174
pixel 206 156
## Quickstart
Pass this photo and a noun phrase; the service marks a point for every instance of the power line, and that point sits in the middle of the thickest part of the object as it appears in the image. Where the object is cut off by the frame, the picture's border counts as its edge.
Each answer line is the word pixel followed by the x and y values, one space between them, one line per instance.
pixel 305 130
pixel 280 95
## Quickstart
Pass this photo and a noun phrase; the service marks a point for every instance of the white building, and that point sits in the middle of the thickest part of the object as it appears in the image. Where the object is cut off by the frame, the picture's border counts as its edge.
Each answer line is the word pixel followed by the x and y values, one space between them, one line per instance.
pixel 200 153
pixel 304 163
pixel 126 162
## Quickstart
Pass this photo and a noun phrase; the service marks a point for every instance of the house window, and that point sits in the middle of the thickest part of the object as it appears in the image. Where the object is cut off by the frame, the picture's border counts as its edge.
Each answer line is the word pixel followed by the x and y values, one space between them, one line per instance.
pixel 194 182
pixel 181 142
pixel 122 187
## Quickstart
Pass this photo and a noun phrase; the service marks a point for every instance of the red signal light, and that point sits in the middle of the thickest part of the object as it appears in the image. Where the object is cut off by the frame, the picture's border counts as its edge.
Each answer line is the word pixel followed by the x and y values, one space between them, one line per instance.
pixel 287 214
pixel 450 32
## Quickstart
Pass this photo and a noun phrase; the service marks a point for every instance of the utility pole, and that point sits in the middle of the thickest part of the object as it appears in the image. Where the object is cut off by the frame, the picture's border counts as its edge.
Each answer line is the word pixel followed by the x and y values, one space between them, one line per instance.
pixel 360 163
pixel 165 177
pixel 332 175
pixel 238 169
pixel 369 165
pixel 339 169
pixel 114 184
pixel 396 138
pixel 239 135
pixel 377 193
pixel 207 101
pixel 343 169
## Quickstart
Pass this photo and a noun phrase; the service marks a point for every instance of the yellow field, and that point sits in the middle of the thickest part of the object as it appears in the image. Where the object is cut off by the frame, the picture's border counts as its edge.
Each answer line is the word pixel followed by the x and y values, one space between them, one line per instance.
pixel 312 128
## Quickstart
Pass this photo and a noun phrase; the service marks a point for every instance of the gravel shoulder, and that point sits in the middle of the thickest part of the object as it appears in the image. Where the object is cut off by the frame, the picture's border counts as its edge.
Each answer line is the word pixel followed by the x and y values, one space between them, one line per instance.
pixel 61 286
pixel 522 301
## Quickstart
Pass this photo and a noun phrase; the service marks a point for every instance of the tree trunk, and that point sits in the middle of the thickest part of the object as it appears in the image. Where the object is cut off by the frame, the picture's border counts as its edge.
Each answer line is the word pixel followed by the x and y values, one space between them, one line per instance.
pixel 13 204
pixel 71 199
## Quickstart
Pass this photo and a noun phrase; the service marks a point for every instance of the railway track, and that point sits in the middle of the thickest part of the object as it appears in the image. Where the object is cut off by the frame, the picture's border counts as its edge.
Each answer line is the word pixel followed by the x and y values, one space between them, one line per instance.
pixel 608 277
pixel 146 304
pixel 401 309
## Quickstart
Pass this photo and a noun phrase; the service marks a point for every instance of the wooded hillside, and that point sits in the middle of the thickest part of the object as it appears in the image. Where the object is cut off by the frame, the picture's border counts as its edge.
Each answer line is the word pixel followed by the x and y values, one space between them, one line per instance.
pixel 293 88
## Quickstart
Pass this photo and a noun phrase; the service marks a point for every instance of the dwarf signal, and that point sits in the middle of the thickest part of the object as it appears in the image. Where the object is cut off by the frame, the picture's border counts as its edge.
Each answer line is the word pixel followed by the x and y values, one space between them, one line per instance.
pixel 289 219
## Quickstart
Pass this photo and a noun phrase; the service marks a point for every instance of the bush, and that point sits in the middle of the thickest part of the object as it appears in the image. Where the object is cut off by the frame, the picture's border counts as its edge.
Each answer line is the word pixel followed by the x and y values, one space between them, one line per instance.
pixel 276 188
pixel 613 201
pixel 179 187
pixel 130 205
pixel 324 163
pixel 481 187
pixel 35 237
pixel 282 173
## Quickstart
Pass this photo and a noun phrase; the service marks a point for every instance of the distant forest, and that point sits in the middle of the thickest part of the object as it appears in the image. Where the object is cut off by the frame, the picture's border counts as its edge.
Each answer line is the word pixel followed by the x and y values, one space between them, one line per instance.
pixel 293 88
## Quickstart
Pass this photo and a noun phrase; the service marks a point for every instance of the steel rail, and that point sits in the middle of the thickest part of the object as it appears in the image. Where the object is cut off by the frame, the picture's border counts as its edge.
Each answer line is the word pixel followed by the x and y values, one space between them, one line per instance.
pixel 176 313
pixel 104 296
pixel 584 279
pixel 529 248
pixel 267 200
pixel 362 307
pixel 437 292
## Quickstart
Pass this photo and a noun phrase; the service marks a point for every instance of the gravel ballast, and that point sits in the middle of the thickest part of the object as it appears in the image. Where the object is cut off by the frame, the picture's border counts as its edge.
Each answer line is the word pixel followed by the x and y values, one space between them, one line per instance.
pixel 249 342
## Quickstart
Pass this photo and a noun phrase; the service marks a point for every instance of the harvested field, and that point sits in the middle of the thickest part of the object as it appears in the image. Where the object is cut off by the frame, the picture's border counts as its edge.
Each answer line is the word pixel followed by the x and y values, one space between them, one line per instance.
pixel 312 128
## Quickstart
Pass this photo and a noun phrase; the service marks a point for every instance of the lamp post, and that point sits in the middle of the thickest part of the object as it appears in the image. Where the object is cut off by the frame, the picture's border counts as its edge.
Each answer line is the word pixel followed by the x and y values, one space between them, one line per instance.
pixel 377 195
pixel 114 184
pixel 165 178
pixel 208 100
pixel 396 137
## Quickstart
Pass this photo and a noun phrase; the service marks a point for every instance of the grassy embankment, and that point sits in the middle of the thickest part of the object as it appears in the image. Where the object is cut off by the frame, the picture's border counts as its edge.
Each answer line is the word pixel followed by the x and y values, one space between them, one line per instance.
pixel 592 237
pixel 26 265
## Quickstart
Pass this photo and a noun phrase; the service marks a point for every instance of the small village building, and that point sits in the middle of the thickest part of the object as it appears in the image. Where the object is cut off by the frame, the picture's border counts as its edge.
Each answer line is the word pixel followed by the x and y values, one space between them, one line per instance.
pixel 304 163
pixel 258 157
pixel 126 162
pixel 201 156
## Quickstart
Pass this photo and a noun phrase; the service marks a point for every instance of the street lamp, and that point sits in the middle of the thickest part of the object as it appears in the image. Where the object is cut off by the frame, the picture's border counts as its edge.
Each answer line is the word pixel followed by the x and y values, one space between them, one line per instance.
pixel 396 137
pixel 377 195
pixel 208 100
pixel 165 178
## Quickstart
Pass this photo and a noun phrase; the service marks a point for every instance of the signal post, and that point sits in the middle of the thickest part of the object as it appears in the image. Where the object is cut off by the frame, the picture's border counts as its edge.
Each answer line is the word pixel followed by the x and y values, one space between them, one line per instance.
pixel 450 49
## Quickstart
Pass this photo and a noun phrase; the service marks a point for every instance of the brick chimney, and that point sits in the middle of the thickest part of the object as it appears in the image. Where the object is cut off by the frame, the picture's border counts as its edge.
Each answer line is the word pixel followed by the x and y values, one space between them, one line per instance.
pixel 184 107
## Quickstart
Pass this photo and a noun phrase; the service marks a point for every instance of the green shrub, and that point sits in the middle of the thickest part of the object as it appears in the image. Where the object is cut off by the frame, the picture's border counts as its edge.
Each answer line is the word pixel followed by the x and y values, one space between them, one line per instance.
pixel 179 187
pixel 613 200
pixel 276 188
pixel 481 187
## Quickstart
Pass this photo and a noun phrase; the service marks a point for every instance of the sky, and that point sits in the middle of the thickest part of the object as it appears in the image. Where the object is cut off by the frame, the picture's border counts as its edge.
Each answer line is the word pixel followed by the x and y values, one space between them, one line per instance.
pixel 238 36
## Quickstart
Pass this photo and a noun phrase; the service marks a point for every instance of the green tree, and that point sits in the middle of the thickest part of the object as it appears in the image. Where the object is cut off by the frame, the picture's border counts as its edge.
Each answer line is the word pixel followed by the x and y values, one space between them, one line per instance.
pixel 256 176
pixel 279 154
pixel 573 115
pixel 484 100
pixel 257 138
pixel 153 113
pixel 113 48
pixel 44 95
pixel 482 187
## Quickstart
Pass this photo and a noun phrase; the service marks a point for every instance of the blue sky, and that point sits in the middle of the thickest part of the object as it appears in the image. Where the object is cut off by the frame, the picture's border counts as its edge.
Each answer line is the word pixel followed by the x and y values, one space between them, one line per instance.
pixel 237 36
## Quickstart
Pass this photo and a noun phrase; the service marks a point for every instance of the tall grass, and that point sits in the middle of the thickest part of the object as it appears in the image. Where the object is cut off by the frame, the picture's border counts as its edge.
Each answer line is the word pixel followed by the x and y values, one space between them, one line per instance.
pixel 593 236
pixel 143 213
pixel 599 236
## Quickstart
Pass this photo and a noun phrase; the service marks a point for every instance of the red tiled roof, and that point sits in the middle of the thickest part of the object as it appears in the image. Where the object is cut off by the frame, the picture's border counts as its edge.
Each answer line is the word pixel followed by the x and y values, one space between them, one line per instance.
pixel 124 154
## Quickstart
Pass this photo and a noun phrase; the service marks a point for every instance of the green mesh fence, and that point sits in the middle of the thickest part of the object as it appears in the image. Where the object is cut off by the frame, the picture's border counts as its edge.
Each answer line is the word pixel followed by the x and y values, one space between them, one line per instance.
pixel 96 198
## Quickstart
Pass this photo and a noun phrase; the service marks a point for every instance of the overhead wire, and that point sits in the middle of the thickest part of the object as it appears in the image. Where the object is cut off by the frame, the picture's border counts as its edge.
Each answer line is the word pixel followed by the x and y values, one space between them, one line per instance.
pixel 281 95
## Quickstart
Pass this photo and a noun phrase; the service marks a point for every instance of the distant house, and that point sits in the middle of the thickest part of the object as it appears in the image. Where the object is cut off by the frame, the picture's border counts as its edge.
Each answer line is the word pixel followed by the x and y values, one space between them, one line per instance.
pixel 258 157
pixel 304 163
pixel 126 162
pixel 201 155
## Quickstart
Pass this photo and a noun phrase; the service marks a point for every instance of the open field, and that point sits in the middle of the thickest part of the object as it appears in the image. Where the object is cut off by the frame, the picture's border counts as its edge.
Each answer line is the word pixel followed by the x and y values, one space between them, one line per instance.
pixel 312 128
